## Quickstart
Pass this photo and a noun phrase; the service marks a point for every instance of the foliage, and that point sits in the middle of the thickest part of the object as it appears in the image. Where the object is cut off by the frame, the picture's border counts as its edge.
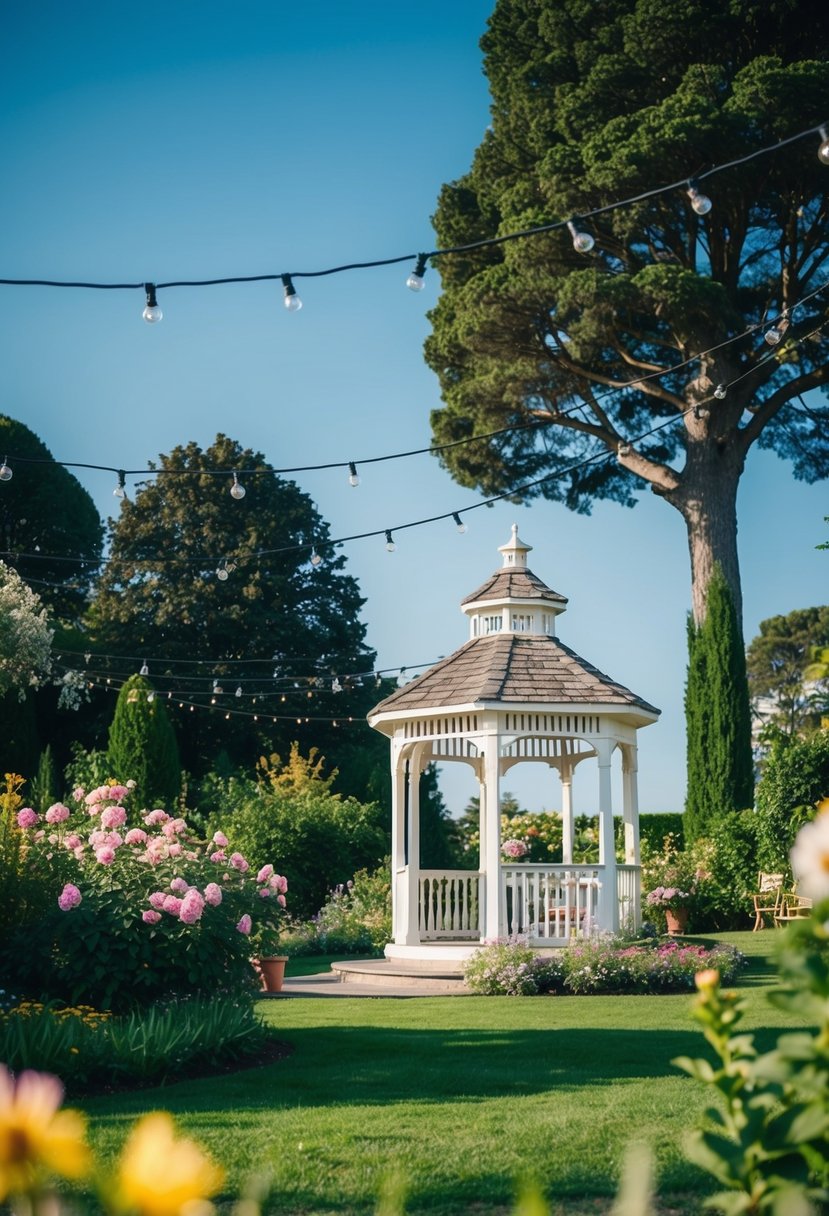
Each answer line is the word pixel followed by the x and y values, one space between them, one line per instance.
pixel 273 606
pixel 142 742
pixel 355 919
pixel 602 964
pixel 44 789
pixel 91 1049
pixel 795 778
pixel 767 1141
pixel 87 769
pixel 25 635
pixel 124 915
pixel 777 660
pixel 293 812
pixel 725 864
pixel 46 517
pixel 720 766
pixel 11 852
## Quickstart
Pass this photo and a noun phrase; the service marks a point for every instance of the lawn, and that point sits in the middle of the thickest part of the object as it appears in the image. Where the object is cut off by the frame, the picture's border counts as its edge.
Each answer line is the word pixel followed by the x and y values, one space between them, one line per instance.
pixel 459 1095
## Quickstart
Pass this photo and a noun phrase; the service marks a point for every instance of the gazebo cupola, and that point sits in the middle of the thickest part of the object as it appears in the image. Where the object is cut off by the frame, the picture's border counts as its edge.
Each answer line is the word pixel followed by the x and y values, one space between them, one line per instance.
pixel 513 693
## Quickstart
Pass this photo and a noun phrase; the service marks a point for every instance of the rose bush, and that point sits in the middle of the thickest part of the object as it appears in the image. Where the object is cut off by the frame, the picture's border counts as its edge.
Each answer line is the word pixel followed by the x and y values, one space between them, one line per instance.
pixel 118 914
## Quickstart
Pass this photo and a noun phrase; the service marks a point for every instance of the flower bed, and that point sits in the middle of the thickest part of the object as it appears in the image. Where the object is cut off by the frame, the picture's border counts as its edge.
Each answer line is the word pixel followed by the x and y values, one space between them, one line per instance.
pixel 601 965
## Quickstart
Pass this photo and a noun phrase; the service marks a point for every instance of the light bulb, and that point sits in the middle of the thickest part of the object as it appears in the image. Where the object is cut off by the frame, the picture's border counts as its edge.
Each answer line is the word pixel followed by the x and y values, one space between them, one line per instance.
pixel 217 688
pixel 459 524
pixel 5 472
pixel 120 490
pixel 221 574
pixel 773 335
pixel 315 558
pixel 145 671
pixel 701 203
pixel 583 242
pixel 237 491
pixel 336 686
pixel 353 476
pixel 390 545
pixel 720 392
pixel 152 312
pixel 238 691
pixel 623 450
pixel 292 301
pixel 151 697
pixel 823 150
pixel 415 279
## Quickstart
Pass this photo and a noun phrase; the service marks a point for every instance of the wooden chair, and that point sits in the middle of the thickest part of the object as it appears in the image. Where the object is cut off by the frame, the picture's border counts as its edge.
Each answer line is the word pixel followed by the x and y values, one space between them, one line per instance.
pixel 767 899
pixel 792 907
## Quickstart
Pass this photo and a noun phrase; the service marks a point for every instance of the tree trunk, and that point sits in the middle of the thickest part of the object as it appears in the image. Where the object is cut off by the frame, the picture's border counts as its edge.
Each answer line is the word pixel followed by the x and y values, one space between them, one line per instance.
pixel 706 497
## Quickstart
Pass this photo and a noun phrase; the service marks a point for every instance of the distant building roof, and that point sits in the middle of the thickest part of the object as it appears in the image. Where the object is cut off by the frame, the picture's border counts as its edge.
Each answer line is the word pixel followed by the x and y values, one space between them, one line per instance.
pixel 512 669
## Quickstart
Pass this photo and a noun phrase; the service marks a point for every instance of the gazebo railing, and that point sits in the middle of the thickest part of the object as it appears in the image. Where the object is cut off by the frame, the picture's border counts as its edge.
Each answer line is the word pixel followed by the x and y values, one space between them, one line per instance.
pixel 629 895
pixel 550 901
pixel 448 905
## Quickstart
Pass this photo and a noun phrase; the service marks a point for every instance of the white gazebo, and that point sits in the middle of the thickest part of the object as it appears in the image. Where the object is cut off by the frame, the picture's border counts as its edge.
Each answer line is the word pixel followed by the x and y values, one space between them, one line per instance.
pixel 512 693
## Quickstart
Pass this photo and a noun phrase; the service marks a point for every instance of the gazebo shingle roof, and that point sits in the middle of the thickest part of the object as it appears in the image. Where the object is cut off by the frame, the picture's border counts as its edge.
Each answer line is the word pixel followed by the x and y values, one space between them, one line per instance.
pixel 511 668
pixel 515 584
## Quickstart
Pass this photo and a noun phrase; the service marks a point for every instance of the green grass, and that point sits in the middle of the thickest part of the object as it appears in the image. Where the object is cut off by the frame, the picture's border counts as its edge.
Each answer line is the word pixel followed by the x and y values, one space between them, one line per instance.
pixel 313 964
pixel 462 1095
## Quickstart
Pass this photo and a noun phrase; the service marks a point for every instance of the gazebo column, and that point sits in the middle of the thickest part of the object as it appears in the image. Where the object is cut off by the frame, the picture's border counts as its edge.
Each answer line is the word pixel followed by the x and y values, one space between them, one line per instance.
pixel 608 901
pixel 630 796
pixel 399 887
pixel 413 850
pixel 567 814
pixel 491 851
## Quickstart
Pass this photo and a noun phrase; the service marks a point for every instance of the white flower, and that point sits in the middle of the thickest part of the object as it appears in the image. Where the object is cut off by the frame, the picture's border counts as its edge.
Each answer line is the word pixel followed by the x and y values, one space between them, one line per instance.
pixel 810 857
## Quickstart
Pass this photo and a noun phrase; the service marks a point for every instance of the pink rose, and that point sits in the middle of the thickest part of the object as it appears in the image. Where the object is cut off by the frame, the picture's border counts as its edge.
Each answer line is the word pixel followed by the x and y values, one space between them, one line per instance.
pixel 265 892
pixel 135 836
pixel 217 857
pixel 57 813
pixel 113 817
pixel 239 863
pixel 73 841
pixel 105 855
pixel 172 905
pixel 213 894
pixel 69 897
pixel 117 792
pixel 157 900
pixel 280 899
pixel 265 873
pixel 26 817
pixel 220 839
pixel 78 793
pixel 174 849
pixel 278 883
pixel 150 917
pixel 244 925
pixel 154 817
pixel 192 907
pixel 180 886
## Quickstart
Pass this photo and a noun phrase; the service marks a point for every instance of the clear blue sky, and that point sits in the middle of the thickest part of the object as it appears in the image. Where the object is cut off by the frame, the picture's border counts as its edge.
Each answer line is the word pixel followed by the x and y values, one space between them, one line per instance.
pixel 192 140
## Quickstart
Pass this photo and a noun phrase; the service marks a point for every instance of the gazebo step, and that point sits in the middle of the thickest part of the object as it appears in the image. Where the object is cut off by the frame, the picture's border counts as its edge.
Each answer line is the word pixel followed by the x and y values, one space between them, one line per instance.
pixel 381 972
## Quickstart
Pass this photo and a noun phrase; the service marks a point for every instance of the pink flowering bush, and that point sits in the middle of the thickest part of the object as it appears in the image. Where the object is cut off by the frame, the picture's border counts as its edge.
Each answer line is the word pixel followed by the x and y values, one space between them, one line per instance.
pixel 141 907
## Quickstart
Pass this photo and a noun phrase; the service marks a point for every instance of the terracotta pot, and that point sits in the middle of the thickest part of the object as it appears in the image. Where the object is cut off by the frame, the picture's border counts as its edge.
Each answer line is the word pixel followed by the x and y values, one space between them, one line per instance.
pixel 677 919
pixel 273 972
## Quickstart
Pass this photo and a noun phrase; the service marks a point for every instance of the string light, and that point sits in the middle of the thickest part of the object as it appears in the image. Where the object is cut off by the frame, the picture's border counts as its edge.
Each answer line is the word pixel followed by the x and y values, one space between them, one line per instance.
pixel 237 491
pixel 292 301
pixel 415 279
pixel 390 545
pixel 774 334
pixel 145 671
pixel 700 202
pixel 315 558
pixel 624 449
pixel 823 150
pixel 583 241
pixel 6 473
pixel 238 691
pixel 152 313
pixel 222 572
pixel 720 392
pixel 120 490
pixel 353 475
pixel 336 686
pixel 459 524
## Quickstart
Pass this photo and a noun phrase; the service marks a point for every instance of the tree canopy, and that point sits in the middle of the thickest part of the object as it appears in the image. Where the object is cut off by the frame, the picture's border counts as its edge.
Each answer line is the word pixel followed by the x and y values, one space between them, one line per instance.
pixel 213 591
pixel 778 659
pixel 595 101
pixel 47 516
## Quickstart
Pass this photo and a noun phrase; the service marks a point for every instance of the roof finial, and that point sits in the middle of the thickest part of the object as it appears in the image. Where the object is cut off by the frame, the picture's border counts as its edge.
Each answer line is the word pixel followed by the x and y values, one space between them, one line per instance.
pixel 515 550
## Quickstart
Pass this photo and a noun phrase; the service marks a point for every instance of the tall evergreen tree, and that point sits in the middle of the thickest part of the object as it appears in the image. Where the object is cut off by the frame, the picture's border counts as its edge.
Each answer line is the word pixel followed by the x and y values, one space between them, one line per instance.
pixel 142 744
pixel 720 767
pixel 595 101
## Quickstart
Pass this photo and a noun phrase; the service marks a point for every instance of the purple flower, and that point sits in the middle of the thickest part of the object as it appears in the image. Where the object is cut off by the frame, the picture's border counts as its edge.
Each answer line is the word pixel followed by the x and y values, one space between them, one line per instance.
pixel 26 818
pixel 57 813
pixel 69 897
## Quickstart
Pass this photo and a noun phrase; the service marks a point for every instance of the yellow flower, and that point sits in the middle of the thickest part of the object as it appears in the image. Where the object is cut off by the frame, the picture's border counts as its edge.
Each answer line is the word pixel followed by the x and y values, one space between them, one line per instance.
pixel 159 1175
pixel 35 1137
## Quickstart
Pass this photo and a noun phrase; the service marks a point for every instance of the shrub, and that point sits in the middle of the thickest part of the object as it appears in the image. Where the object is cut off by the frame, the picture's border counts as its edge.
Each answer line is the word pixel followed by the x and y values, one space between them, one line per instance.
pixel 510 969
pixel 113 917
pixel 142 742
pixel 355 919
pixel 795 778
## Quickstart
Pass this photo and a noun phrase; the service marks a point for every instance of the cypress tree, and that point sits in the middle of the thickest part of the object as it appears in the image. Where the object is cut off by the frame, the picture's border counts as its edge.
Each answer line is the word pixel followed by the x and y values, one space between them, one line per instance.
pixel 142 744
pixel 720 767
